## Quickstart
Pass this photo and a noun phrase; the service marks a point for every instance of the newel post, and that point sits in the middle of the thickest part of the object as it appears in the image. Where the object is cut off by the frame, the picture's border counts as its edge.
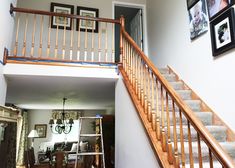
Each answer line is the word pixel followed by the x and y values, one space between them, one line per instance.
pixel 122 27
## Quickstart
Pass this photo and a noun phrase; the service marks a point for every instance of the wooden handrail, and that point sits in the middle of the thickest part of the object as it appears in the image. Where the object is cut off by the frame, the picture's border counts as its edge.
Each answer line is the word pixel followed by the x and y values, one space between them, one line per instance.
pixel 32 11
pixel 214 146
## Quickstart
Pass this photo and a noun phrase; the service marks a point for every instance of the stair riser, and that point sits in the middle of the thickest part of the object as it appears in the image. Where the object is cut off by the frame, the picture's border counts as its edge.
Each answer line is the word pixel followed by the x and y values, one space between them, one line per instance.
pixel 177 85
pixel 185 95
pixel 164 70
pixel 170 78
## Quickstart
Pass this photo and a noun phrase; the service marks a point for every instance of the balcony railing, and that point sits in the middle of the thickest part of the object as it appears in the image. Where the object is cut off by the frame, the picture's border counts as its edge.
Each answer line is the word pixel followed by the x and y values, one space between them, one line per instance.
pixel 56 37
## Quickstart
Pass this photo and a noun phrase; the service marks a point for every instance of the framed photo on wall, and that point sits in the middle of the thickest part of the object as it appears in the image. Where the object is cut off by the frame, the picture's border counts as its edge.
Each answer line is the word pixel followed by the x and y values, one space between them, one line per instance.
pixel 41 129
pixel 87 25
pixel 190 3
pixel 216 7
pixel 198 19
pixel 222 32
pixel 58 21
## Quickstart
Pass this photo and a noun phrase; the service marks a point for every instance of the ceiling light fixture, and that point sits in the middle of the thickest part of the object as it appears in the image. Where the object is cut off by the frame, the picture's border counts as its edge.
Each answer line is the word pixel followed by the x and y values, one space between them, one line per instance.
pixel 62 125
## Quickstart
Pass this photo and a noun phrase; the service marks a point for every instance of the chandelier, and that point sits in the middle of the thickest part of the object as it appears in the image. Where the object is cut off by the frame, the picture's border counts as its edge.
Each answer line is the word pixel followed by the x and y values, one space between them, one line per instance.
pixel 62 125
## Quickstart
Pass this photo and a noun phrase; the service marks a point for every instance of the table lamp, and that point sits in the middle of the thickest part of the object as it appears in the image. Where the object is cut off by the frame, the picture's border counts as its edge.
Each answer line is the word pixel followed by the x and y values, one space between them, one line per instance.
pixel 33 134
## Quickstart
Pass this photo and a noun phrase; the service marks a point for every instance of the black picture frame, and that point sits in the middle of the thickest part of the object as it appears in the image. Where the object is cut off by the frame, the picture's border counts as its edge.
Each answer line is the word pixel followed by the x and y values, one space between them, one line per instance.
pixel 222 32
pixel 59 22
pixel 41 130
pixel 190 3
pixel 198 19
pixel 216 7
pixel 87 25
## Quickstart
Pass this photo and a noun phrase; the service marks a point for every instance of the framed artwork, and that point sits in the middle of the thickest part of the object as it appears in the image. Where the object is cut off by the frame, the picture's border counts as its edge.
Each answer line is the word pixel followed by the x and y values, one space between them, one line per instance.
pixel 190 3
pixel 41 129
pixel 61 21
pixel 216 7
pixel 198 19
pixel 222 32
pixel 88 25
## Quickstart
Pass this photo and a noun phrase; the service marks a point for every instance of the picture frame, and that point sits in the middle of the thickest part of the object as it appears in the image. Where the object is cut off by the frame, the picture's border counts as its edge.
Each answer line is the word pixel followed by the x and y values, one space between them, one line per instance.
pixel 198 19
pixel 41 130
pixel 223 33
pixel 58 21
pixel 87 25
pixel 190 3
pixel 216 7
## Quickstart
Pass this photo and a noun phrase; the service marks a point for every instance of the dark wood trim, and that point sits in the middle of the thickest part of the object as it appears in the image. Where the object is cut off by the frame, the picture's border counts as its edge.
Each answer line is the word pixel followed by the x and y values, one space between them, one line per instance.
pixel 40 12
pixel 5 56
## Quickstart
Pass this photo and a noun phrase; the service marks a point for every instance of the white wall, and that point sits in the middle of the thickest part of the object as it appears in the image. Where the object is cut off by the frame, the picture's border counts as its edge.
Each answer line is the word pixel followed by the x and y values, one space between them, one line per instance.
pixel 6 30
pixel 170 44
pixel 132 147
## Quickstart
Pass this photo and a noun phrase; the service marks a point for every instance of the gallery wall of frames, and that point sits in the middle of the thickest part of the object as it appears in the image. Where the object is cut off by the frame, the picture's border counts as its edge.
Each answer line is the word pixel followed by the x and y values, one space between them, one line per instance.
pixel 218 15
pixel 60 22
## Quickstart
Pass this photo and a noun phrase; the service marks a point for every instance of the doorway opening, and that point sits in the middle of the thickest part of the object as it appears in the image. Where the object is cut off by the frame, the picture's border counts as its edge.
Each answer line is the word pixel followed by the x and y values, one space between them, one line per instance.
pixel 134 24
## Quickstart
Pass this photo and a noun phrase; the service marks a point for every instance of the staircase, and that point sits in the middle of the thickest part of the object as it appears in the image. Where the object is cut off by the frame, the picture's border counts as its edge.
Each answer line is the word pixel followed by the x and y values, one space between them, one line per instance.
pixel 218 131
pixel 182 129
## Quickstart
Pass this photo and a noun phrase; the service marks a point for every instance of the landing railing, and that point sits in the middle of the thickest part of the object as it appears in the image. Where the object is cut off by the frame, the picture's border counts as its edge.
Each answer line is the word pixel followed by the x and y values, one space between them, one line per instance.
pixel 168 120
pixel 57 37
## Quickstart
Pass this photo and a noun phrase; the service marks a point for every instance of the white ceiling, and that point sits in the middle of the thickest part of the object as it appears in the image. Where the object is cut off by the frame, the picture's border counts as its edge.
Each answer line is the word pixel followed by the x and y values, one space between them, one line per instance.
pixel 47 92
